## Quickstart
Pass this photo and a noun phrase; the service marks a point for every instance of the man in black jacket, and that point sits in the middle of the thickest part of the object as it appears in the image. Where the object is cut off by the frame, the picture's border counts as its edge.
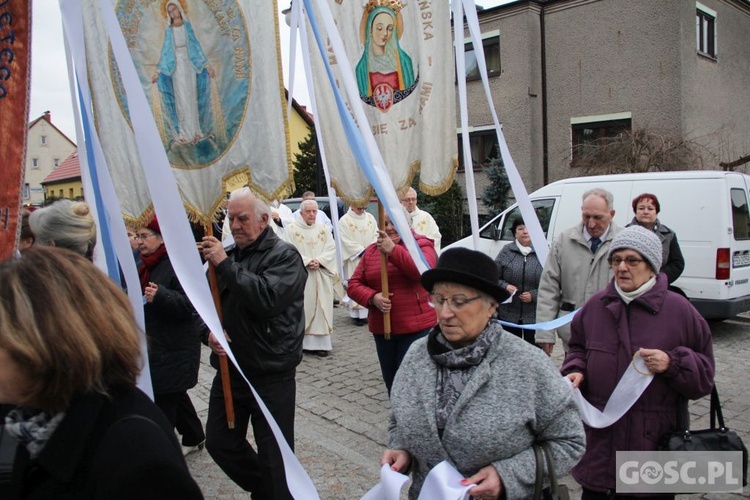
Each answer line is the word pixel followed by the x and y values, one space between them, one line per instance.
pixel 262 285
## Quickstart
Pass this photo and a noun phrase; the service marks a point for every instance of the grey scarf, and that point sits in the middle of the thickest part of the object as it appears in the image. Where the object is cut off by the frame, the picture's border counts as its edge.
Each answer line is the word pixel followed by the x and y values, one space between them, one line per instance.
pixel 32 429
pixel 456 365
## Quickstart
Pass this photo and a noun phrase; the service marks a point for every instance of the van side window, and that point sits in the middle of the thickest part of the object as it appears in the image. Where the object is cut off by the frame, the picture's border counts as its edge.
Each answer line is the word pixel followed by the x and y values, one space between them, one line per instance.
pixel 543 209
pixel 740 215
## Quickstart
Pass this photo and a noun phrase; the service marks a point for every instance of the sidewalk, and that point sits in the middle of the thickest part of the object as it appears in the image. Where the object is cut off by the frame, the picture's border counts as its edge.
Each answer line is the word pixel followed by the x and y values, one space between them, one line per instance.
pixel 343 409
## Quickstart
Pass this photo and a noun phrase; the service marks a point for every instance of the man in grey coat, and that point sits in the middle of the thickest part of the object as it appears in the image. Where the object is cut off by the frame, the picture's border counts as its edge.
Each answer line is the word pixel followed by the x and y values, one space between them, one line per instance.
pixel 576 266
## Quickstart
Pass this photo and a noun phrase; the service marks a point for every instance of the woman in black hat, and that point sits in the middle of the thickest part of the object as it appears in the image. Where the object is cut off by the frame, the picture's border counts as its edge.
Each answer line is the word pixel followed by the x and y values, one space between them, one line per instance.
pixel 475 395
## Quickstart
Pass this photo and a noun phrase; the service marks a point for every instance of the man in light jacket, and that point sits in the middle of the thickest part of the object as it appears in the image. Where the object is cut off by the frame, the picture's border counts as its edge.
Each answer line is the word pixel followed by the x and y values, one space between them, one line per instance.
pixel 576 266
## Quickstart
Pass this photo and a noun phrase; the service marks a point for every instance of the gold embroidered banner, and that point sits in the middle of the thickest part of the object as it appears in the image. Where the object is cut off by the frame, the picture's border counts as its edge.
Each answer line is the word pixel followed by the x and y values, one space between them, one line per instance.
pixel 212 76
pixel 402 56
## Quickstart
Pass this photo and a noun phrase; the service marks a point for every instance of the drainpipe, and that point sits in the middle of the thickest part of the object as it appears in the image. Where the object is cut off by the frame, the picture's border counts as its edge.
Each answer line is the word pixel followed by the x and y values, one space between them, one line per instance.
pixel 545 145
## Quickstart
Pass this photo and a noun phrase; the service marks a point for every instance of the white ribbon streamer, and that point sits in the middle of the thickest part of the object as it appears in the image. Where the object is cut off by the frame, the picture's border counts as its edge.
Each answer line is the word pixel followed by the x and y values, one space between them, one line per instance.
pixel 443 482
pixel 630 387
pixel 514 177
pixel 389 487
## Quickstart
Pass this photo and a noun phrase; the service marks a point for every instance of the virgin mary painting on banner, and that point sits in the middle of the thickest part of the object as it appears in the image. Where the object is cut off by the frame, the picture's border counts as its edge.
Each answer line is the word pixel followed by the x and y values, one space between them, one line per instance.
pixel 211 73
pixel 384 69
pixel 402 52
pixel 183 77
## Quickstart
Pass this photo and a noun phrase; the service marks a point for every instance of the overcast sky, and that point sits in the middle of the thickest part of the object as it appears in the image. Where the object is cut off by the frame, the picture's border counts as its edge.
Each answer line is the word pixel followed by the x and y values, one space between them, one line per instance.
pixel 50 89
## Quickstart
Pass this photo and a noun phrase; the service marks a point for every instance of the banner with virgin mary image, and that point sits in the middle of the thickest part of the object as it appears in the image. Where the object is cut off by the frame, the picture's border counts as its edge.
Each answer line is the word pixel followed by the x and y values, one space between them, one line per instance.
pixel 402 56
pixel 211 73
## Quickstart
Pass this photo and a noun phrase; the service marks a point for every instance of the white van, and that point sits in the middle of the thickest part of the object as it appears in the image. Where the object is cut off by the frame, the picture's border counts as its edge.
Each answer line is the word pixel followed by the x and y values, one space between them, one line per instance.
pixel 708 210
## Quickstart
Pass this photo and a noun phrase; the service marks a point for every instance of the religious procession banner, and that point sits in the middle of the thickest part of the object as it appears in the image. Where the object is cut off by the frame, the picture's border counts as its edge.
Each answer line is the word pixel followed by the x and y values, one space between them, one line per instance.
pixel 212 75
pixel 401 52
pixel 15 53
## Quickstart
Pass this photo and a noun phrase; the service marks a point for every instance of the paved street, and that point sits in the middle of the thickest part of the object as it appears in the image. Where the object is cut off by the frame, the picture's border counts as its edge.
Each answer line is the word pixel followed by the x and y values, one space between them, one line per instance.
pixel 342 411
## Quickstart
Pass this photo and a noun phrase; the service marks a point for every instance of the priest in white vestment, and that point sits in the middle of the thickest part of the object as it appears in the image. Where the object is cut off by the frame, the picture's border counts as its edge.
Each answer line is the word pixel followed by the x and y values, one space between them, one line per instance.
pixel 421 221
pixel 315 244
pixel 357 230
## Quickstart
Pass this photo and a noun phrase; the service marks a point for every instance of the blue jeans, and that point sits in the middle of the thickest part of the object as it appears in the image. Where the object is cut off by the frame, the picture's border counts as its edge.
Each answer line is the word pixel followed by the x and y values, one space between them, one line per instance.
pixel 391 353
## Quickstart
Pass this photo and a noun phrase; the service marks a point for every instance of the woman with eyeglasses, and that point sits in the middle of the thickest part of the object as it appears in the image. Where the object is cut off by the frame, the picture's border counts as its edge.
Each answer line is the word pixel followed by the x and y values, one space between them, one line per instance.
pixel 475 395
pixel 174 348
pixel 635 315
pixel 411 315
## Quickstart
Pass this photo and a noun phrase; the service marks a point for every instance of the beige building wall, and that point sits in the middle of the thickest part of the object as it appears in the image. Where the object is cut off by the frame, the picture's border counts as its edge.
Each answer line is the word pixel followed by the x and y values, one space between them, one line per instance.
pixel 47 155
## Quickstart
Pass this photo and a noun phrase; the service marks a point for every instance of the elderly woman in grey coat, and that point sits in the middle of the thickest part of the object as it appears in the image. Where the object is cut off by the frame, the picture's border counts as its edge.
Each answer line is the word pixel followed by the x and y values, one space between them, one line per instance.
pixel 476 396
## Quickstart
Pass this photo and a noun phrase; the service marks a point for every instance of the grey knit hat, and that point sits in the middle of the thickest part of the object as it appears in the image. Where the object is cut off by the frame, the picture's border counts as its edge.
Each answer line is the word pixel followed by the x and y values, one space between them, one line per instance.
pixel 641 240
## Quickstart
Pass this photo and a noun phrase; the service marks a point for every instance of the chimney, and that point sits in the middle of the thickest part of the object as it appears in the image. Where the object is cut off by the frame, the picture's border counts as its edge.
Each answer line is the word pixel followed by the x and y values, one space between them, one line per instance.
pixel 48 116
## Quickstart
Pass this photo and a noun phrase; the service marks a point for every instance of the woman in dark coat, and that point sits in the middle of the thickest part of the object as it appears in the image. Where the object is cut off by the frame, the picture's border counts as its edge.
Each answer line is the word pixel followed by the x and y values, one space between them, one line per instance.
pixel 173 338
pixel 69 358
pixel 520 272
pixel 646 208
pixel 635 315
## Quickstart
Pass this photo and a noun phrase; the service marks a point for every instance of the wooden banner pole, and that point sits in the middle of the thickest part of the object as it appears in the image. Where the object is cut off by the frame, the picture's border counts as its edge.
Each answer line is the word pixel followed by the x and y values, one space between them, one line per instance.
pixel 384 274
pixel 223 361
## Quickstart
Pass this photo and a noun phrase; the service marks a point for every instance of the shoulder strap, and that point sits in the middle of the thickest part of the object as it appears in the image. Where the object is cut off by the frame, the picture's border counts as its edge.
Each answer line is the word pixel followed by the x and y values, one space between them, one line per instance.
pixel 716 412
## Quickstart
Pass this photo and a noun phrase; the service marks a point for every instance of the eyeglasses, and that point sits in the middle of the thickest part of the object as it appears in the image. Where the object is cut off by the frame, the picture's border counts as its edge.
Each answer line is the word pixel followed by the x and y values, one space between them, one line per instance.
pixel 143 236
pixel 456 303
pixel 409 199
pixel 629 261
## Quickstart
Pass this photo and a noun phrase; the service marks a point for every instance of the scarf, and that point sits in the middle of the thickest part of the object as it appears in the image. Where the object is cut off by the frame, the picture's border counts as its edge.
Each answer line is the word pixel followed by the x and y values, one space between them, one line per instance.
pixel 149 263
pixel 456 365
pixel 524 250
pixel 629 297
pixel 32 429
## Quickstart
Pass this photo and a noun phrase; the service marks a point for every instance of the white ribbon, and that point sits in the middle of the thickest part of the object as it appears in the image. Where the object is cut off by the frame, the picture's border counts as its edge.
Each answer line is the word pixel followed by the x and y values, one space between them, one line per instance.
pixel 630 387
pixel 443 482
pixel 389 487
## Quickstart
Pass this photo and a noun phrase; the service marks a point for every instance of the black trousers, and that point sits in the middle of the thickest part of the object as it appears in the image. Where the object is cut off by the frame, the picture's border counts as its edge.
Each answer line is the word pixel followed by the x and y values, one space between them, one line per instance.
pixel 182 415
pixel 260 472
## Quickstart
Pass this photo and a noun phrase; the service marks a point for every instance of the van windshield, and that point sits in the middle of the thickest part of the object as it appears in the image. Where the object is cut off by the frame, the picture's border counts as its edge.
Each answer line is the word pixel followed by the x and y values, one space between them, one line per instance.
pixel 543 210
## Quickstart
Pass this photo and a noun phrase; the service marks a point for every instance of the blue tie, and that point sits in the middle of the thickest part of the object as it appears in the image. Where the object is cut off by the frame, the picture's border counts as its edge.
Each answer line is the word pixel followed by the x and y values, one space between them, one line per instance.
pixel 595 244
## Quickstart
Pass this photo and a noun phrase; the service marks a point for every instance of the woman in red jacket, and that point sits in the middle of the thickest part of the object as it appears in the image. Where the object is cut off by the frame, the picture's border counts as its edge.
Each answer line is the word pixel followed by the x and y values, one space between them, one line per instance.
pixel 411 315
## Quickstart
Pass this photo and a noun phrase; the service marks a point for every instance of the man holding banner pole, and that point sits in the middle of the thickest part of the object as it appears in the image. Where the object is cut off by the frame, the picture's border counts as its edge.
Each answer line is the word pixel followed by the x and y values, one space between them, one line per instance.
pixel 262 285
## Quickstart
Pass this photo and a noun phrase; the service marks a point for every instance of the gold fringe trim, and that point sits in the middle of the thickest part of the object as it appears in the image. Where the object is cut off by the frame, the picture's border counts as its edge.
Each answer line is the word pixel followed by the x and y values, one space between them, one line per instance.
pixel 415 167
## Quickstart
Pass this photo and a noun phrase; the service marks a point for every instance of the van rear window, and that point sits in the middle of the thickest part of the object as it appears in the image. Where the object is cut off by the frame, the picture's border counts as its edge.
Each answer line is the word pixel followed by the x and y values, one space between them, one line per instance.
pixel 740 214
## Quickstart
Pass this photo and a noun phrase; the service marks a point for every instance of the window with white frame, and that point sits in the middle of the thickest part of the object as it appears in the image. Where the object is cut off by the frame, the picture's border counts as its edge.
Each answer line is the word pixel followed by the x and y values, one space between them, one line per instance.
pixel 57 162
pixel 26 191
pixel 35 163
pixel 491 46
pixel 705 30
pixel 484 147
pixel 43 140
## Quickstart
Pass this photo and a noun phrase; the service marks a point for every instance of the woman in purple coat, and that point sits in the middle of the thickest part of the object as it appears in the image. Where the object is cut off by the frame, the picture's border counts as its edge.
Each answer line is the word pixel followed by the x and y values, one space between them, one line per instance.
pixel 635 315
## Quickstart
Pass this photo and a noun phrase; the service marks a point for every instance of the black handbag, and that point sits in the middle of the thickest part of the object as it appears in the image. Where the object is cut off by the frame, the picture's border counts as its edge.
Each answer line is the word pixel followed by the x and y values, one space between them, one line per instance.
pixel 555 491
pixel 712 439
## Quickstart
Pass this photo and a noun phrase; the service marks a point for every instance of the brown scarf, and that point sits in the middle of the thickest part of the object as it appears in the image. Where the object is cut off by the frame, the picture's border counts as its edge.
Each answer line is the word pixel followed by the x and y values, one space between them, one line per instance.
pixel 149 262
